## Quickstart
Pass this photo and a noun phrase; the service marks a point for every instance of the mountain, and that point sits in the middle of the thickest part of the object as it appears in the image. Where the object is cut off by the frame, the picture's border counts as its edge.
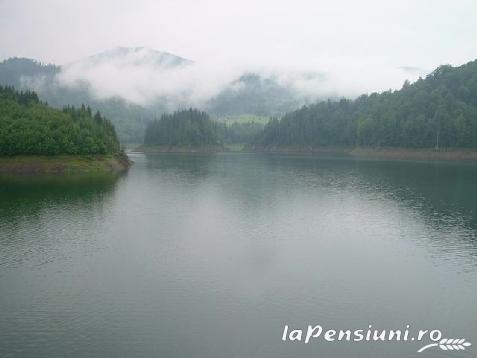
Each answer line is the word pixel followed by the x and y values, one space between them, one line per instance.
pixel 133 85
pixel 135 57
pixel 16 71
pixel 253 94
pixel 439 111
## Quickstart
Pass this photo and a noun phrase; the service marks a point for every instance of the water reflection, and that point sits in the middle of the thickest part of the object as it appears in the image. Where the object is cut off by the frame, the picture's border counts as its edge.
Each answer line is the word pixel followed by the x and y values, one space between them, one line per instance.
pixel 37 213
pixel 276 239
pixel 209 256
pixel 440 197
pixel 192 167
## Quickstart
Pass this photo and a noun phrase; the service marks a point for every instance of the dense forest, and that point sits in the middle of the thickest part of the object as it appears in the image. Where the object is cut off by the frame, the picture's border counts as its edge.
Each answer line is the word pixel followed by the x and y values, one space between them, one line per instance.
pixel 439 111
pixel 239 133
pixel 28 126
pixel 184 127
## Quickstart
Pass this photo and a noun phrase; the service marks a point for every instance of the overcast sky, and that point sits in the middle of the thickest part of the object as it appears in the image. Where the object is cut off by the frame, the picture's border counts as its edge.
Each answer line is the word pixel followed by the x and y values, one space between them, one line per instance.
pixel 316 34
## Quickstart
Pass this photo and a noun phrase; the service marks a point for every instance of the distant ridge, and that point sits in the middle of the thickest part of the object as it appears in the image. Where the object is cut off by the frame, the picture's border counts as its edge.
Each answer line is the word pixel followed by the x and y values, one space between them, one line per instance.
pixel 136 56
pixel 148 71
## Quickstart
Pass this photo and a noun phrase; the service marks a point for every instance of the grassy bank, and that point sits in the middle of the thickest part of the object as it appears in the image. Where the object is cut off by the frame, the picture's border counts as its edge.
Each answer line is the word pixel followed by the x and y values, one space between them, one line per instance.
pixel 63 164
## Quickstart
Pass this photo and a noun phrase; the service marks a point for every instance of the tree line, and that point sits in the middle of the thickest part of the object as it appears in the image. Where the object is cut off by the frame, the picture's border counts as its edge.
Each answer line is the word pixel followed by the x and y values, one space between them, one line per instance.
pixel 435 112
pixel 183 127
pixel 29 127
pixel 240 132
pixel 439 111
pixel 196 128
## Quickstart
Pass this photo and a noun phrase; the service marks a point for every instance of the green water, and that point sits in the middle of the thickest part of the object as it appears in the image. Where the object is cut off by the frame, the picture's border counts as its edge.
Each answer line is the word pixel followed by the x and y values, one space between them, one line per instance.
pixel 210 256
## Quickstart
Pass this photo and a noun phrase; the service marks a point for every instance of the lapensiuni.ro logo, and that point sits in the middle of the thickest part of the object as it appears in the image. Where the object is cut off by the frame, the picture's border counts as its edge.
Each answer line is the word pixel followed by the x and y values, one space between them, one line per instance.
pixel 428 338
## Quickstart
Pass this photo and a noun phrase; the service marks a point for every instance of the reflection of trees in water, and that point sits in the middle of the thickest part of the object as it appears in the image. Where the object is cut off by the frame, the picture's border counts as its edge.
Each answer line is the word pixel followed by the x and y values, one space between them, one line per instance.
pixel 442 189
pixel 190 167
pixel 39 214
pixel 442 195
pixel 438 190
pixel 25 197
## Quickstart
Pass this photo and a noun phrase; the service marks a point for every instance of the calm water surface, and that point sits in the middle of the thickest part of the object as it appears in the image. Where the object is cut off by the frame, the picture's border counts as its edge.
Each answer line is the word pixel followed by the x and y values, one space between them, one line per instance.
pixel 210 256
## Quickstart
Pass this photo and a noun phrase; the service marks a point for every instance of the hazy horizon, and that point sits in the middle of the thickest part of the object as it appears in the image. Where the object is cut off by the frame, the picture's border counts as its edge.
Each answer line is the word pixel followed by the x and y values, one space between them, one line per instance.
pixel 348 48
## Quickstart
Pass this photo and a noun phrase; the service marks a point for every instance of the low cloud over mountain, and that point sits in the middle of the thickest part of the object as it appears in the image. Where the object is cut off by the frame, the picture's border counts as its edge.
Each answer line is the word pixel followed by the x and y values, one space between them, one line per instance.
pixel 138 83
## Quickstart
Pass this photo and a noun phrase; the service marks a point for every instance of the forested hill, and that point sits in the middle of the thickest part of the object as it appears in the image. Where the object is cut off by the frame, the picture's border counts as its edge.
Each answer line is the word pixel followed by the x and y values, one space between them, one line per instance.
pixel 438 111
pixel 29 127
pixel 17 72
pixel 182 128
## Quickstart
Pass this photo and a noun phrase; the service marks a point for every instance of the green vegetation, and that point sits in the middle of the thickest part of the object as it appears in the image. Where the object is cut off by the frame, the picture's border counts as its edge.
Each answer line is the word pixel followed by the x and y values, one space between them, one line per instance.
pixel 240 132
pixel 29 127
pixel 439 111
pixel 237 131
pixel 182 128
pixel 195 128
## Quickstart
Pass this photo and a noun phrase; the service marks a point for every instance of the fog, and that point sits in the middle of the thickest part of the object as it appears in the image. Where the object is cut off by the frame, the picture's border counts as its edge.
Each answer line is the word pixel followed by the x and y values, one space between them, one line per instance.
pixel 141 81
pixel 317 48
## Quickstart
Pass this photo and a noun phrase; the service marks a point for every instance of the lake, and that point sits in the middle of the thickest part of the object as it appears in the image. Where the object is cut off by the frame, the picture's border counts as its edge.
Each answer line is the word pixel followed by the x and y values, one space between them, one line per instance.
pixel 211 256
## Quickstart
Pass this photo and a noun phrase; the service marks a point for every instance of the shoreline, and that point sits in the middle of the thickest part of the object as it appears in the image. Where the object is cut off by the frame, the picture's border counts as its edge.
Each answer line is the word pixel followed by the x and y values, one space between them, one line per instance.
pixel 64 164
pixel 384 153
pixel 405 154
pixel 180 149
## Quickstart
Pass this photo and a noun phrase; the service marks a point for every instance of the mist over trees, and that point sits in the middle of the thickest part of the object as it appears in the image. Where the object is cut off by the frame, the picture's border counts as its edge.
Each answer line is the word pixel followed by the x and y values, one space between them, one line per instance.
pixel 438 111
pixel 22 73
pixel 14 71
pixel 29 127
pixel 140 72
pixel 253 94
